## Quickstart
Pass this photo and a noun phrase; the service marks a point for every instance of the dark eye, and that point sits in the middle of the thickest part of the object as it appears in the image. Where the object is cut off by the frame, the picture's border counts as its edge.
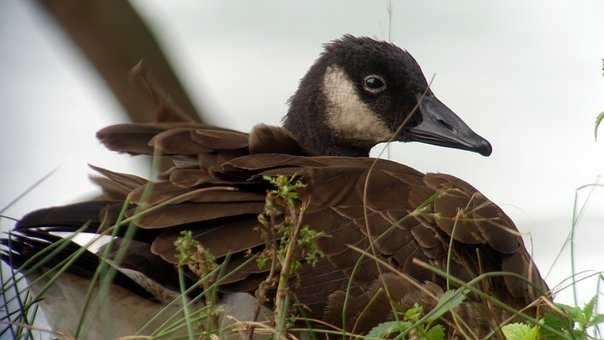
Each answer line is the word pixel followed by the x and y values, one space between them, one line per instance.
pixel 374 84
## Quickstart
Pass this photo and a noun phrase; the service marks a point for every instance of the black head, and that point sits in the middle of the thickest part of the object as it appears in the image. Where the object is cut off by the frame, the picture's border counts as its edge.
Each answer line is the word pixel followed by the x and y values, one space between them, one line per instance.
pixel 361 92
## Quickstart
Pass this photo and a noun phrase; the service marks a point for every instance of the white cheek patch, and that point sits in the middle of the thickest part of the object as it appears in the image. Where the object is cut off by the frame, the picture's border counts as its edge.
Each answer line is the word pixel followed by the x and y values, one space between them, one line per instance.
pixel 346 112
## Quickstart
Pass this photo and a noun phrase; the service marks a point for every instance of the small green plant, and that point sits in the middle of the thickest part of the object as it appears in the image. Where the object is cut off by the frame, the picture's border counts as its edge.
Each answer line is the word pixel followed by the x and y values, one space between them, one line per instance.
pixel 285 187
pixel 573 321
pixel 282 212
pixel 520 331
pixel 202 263
pixel 198 259
pixel 288 243
pixel 412 325
pixel 415 324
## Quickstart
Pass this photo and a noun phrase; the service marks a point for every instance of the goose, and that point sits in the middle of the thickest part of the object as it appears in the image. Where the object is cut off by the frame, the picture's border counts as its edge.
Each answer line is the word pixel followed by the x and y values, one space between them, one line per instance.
pixel 358 93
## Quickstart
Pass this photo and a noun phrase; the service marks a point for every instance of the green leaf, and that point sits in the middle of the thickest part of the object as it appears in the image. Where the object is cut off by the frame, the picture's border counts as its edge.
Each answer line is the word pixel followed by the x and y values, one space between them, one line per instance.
pixel 435 333
pixel 598 121
pixel 386 329
pixel 261 262
pixel 520 331
pixel 557 322
pixel 579 334
pixel 575 313
pixel 414 313
pixel 588 311
pixel 449 300
pixel 596 320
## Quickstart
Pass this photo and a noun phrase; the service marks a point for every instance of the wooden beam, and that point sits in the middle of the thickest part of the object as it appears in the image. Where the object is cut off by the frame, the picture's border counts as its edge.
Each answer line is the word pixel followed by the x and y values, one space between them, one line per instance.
pixel 114 38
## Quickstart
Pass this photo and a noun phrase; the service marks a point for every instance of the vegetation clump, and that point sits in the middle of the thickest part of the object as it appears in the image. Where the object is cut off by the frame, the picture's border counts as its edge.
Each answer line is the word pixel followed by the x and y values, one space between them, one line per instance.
pixel 203 264
pixel 288 243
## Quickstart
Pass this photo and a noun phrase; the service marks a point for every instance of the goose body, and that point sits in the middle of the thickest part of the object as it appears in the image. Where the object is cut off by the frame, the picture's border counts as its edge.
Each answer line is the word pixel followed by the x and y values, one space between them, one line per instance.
pixel 359 92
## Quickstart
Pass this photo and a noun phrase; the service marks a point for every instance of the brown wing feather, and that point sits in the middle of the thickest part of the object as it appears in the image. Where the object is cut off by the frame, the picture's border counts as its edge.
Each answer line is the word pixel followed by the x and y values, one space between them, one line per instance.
pixel 134 138
pixel 228 237
pixel 216 189
pixel 390 195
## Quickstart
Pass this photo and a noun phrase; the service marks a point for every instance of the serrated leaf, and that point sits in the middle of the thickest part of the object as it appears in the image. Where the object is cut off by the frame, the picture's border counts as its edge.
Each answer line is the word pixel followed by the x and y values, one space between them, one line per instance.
pixel 575 313
pixel 596 320
pixel 598 121
pixel 435 333
pixel 520 331
pixel 557 322
pixel 385 329
pixel 588 310
pixel 449 300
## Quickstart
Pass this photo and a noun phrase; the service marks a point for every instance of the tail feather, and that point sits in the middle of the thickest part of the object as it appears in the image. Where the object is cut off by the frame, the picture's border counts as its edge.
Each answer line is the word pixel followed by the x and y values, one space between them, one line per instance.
pixel 18 247
pixel 72 217
pixel 87 217
pixel 36 231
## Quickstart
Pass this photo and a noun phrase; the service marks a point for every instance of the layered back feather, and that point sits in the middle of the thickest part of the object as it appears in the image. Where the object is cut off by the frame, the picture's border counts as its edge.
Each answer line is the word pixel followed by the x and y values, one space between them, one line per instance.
pixel 215 188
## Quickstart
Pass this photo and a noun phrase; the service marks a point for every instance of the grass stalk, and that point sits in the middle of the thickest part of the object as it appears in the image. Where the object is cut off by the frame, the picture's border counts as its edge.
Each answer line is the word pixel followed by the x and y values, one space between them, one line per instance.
pixel 100 270
pixel 281 297
pixel 158 331
pixel 28 190
pixel 470 285
pixel 185 304
pixel 9 322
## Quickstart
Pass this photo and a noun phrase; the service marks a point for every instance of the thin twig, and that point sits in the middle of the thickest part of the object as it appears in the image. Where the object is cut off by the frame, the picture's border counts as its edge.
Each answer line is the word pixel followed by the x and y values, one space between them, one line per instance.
pixel 29 189
pixel 283 287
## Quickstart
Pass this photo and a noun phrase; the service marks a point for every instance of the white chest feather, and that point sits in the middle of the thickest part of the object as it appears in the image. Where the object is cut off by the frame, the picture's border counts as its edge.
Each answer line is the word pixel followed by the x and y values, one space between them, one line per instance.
pixel 347 113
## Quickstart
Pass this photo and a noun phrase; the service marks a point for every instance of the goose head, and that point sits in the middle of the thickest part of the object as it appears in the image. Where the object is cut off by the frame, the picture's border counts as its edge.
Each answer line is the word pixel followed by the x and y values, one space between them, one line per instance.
pixel 361 92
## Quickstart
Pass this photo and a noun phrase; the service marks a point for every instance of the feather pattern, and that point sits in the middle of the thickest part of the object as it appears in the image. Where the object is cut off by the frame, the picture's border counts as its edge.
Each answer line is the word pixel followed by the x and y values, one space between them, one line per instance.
pixel 349 198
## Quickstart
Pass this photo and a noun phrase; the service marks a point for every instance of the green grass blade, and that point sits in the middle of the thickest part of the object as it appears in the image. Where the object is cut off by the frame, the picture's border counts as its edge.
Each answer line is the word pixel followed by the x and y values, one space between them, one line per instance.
pixel 9 326
pixel 599 118
pixel 185 305
pixel 101 269
pixel 28 190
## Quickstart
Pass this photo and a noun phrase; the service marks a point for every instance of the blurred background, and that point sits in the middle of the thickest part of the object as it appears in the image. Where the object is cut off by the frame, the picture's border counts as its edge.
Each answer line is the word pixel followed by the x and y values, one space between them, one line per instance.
pixel 527 75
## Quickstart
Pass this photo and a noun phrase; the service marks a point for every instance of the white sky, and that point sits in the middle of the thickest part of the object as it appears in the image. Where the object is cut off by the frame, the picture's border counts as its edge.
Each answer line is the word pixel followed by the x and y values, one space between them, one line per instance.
pixel 525 75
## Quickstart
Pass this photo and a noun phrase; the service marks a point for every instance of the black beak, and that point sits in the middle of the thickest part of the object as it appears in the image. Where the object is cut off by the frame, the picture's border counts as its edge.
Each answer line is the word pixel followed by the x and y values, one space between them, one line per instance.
pixel 440 126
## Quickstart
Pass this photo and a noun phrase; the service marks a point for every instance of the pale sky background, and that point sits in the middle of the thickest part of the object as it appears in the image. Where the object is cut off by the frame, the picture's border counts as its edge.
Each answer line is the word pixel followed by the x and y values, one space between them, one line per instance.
pixel 527 75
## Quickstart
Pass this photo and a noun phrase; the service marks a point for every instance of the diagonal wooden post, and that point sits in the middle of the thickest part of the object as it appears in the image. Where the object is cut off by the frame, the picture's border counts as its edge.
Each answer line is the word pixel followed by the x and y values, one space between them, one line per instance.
pixel 114 38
